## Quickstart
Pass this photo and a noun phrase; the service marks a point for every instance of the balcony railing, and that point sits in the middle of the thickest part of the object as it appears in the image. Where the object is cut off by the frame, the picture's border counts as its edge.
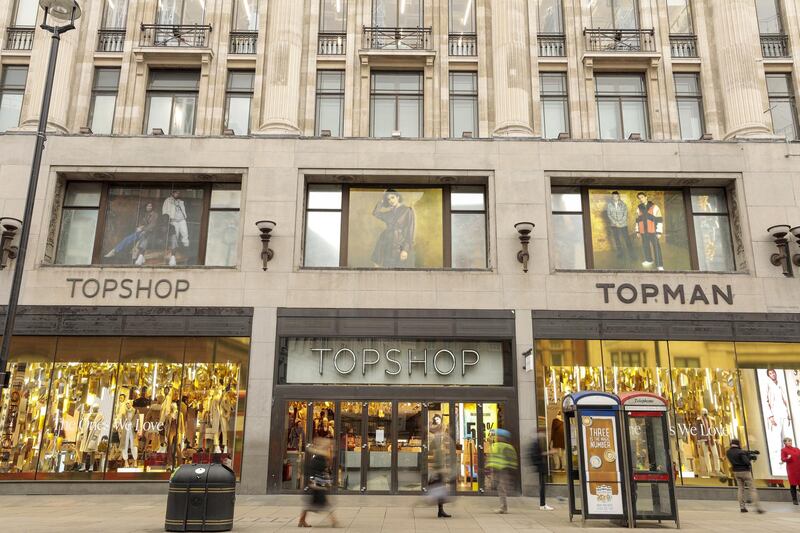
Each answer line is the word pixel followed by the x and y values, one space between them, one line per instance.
pixel 243 42
pixel 332 43
pixel 19 38
pixel 397 38
pixel 463 44
pixel 552 45
pixel 185 36
pixel 619 41
pixel 774 45
pixel 110 40
pixel 683 45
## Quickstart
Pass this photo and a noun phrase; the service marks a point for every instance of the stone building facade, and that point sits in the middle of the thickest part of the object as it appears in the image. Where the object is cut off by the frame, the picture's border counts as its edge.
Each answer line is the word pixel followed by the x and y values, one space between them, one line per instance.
pixel 684 109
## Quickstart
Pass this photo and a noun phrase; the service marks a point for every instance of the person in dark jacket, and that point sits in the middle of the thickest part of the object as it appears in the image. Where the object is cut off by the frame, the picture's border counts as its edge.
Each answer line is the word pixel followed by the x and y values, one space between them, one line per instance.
pixel 538 459
pixel 319 480
pixel 743 473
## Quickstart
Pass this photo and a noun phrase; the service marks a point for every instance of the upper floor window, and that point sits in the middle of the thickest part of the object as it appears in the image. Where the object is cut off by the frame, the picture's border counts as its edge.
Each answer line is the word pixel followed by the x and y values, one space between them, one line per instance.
pixel 245 15
pixel 104 100
pixel 690 105
pixel 782 106
pixel 463 103
pixel 25 12
pixel 238 99
pixel 397 13
pixel 769 16
pixel 181 12
pixel 621 105
pixel 641 229
pixel 12 91
pixel 333 16
pixel 149 224
pixel 555 107
pixel 396 104
pixel 172 101
pixel 680 17
pixel 462 16
pixel 115 14
pixel 550 16
pixel 330 102
pixel 617 14
pixel 407 226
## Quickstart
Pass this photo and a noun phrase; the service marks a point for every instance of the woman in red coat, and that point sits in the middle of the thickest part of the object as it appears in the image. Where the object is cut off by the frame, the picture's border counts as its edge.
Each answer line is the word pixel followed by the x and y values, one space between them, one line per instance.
pixel 791 456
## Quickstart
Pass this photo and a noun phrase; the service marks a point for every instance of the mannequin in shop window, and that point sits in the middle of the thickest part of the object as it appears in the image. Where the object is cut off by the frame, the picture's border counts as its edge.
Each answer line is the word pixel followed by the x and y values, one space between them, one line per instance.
pixel 168 419
pixel 91 430
pixel 557 442
pixel 126 427
pixel 152 417
pixel 707 444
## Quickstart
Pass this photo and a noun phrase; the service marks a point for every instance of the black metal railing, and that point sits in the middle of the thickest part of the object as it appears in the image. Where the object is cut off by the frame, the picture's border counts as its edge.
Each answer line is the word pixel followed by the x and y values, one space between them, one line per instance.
pixel 775 45
pixel 19 38
pixel 243 42
pixel 683 45
pixel 110 40
pixel 183 35
pixel 332 43
pixel 463 44
pixel 397 38
pixel 619 41
pixel 552 45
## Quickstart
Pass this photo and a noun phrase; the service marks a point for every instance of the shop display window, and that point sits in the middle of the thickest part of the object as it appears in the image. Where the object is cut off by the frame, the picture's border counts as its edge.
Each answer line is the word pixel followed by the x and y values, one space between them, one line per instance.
pixel 395 226
pixel 350 441
pixel 705 386
pixel 642 229
pixel 410 428
pixel 770 378
pixel 23 405
pixel 86 408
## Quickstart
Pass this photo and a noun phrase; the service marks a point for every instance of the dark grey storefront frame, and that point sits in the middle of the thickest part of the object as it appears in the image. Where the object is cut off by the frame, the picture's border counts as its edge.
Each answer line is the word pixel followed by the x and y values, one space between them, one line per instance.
pixel 672 326
pixel 116 321
pixel 425 324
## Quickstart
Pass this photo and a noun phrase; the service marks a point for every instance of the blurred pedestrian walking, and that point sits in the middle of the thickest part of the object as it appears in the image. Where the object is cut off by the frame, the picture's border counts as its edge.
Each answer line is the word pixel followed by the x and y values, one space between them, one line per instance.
pixel 442 466
pixel 503 464
pixel 743 473
pixel 538 459
pixel 318 468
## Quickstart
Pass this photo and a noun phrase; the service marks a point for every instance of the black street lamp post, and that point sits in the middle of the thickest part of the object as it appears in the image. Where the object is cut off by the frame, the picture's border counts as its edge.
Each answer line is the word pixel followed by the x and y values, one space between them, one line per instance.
pixel 66 10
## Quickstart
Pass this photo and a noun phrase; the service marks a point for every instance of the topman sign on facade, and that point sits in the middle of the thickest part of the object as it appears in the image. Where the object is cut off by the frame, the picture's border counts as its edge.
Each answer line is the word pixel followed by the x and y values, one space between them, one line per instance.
pixel 666 293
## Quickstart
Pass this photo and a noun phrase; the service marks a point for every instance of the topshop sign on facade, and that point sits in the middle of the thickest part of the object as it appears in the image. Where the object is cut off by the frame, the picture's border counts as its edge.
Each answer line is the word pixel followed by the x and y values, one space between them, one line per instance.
pixel 393 362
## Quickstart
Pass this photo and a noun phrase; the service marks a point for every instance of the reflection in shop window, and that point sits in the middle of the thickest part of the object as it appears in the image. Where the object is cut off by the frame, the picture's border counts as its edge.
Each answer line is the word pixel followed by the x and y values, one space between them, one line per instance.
pixel 122 408
pixel 168 224
pixel 397 227
pixel 294 431
pixel 642 229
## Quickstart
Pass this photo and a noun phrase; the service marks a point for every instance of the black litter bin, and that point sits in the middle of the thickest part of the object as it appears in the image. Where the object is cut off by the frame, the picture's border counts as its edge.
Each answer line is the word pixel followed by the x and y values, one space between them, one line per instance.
pixel 201 498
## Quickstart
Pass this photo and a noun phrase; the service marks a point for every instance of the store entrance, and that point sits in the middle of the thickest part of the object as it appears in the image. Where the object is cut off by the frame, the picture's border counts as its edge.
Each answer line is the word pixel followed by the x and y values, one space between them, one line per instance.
pixel 390 446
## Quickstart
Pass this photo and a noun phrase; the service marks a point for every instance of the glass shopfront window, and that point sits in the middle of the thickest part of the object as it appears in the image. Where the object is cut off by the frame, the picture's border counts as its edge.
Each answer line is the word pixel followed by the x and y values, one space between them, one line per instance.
pixel 716 390
pixel 122 408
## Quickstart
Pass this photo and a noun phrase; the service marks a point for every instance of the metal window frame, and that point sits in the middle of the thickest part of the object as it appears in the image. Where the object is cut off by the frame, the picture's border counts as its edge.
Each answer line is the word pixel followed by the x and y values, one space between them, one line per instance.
pixel 235 16
pixel 182 13
pixel 779 15
pixel 614 15
pixel 323 6
pixel 787 97
pixel 690 97
pixel 328 94
pixel 560 18
pixel 105 13
pixel 231 93
pixel 397 14
pixel 464 95
pixel 562 97
pixel 473 16
pixel 692 23
pixel 103 92
pixel 418 95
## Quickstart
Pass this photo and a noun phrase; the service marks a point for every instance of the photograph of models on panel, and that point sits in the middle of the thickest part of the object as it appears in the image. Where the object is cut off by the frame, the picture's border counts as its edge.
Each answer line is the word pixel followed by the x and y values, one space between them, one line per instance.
pixel 395 227
pixel 642 229
pixel 149 225
pixel 121 408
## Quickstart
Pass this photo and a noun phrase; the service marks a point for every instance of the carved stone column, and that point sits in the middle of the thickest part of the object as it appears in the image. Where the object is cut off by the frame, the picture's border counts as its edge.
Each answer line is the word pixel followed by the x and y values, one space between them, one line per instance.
pixel 63 85
pixel 281 93
pixel 736 46
pixel 511 69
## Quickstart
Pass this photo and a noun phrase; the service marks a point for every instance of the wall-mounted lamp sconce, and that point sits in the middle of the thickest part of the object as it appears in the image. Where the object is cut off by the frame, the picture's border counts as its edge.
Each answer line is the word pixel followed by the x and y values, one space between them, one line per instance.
pixel 524 229
pixel 266 227
pixel 782 259
pixel 796 257
pixel 10 227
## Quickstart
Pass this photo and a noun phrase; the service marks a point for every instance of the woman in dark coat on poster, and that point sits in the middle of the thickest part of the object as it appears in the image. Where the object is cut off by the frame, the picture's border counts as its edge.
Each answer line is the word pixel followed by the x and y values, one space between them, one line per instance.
pixel 319 480
pixel 395 246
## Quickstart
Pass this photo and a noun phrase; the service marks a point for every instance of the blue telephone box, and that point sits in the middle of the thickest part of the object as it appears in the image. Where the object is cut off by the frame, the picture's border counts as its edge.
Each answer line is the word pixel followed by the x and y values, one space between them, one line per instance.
pixel 595 463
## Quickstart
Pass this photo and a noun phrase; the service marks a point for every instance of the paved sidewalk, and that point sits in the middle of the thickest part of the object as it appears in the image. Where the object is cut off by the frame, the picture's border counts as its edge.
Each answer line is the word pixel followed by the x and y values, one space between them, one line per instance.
pixel 367 514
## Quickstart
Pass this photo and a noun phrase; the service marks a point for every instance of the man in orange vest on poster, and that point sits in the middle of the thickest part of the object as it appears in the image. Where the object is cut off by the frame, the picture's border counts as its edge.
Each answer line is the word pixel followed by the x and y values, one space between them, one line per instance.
pixel 649 228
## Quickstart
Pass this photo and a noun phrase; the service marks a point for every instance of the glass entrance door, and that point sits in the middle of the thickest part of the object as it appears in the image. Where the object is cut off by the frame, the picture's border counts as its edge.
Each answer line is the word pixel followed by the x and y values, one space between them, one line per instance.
pixel 468 439
pixel 379 447
pixel 351 441
pixel 410 452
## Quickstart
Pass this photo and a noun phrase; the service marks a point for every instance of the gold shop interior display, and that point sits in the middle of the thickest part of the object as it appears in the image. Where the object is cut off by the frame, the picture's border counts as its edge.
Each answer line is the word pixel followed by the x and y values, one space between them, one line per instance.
pixel 122 408
pixel 707 385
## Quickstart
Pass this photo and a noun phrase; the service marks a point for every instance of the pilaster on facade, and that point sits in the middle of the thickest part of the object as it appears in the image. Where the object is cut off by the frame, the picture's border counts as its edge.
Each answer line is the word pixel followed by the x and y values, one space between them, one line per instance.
pixel 511 70
pixel 281 90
